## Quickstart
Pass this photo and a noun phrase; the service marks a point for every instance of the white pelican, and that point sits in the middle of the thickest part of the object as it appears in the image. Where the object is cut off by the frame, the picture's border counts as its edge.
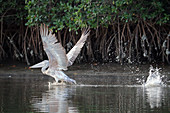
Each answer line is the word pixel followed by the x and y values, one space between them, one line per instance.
pixel 58 59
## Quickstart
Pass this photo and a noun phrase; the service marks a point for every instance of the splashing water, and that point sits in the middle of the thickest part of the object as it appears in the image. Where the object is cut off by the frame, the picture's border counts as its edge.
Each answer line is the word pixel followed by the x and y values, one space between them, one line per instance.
pixel 154 79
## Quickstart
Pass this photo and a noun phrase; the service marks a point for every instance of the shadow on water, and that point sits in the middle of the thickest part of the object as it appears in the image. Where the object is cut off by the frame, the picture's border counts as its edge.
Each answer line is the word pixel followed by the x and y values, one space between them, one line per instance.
pixel 104 94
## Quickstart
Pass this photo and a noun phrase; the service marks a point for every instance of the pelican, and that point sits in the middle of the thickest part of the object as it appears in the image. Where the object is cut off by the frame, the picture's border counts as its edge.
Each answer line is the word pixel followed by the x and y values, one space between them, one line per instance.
pixel 58 59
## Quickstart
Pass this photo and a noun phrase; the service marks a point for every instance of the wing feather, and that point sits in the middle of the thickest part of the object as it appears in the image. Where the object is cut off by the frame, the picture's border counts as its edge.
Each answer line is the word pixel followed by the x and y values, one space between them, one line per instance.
pixel 54 50
pixel 73 53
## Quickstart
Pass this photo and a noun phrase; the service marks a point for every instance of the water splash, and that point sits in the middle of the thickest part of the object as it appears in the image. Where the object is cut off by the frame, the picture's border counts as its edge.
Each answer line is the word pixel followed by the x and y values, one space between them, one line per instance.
pixel 154 79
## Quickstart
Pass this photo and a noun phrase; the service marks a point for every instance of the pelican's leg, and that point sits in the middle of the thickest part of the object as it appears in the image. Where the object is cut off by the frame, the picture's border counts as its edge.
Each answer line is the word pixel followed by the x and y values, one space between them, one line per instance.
pixel 69 80
pixel 65 78
pixel 57 82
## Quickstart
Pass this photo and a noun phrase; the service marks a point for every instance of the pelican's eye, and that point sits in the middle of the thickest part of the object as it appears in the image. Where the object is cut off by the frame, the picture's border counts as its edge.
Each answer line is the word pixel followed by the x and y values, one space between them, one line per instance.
pixel 59 81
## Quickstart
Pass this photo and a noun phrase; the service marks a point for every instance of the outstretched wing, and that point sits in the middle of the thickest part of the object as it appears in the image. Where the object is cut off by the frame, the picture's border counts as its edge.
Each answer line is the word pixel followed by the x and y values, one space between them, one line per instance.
pixel 54 50
pixel 73 53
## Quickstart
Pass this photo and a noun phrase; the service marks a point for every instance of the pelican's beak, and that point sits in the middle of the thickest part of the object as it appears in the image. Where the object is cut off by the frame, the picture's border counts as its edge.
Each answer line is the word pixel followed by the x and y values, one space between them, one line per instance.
pixel 38 65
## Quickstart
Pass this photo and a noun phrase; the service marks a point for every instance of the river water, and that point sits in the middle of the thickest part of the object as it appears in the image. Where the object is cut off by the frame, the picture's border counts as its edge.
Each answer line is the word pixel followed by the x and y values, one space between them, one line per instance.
pixel 32 94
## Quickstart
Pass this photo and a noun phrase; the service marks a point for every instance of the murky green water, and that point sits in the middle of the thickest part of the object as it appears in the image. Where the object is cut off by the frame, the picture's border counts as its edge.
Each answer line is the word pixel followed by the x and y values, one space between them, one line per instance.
pixel 32 94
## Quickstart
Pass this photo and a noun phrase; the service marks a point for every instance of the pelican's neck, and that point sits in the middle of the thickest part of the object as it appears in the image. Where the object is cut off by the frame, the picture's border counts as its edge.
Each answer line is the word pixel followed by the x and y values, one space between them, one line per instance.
pixel 44 68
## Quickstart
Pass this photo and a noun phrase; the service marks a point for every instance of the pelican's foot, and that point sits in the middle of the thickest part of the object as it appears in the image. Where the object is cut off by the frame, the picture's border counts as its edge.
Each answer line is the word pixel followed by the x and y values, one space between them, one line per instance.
pixel 59 83
pixel 62 82
pixel 70 81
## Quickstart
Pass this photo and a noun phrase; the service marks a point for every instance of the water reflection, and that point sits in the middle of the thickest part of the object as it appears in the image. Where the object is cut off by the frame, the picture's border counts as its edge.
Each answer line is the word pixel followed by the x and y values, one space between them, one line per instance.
pixel 33 95
pixel 102 99
pixel 155 96
pixel 55 101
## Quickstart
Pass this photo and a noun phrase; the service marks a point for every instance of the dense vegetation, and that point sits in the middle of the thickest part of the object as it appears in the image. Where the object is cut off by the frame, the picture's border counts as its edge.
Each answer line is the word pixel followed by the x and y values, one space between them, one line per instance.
pixel 124 31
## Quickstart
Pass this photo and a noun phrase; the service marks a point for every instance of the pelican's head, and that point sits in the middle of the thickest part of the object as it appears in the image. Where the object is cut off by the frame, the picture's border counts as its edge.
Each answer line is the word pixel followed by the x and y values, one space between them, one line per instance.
pixel 41 64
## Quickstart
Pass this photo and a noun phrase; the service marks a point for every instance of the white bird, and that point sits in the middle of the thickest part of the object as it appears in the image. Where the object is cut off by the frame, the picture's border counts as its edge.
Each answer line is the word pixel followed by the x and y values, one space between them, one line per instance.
pixel 58 59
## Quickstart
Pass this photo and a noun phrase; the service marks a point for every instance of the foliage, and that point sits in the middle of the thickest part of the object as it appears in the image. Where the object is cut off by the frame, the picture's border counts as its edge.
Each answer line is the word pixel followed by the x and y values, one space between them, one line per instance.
pixel 76 14
pixel 121 30
pixel 12 11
